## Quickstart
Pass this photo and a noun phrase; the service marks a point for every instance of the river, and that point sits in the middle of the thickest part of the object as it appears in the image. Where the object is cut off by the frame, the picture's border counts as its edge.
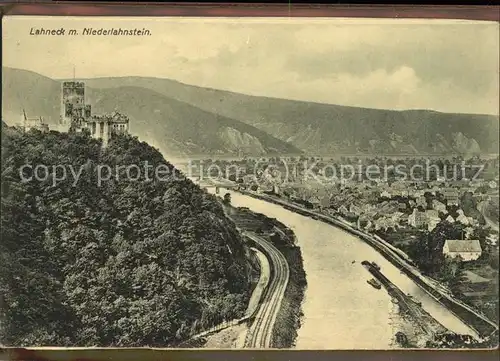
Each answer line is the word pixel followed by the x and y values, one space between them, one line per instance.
pixel 341 310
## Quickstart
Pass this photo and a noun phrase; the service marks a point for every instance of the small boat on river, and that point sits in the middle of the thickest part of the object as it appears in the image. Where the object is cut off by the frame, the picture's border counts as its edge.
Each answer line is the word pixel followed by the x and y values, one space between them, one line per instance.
pixel 374 283
pixel 411 298
pixel 370 265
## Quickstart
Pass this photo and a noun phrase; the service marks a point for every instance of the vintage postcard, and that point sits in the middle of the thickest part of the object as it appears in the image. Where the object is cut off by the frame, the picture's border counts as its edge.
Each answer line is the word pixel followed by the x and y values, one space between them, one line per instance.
pixel 292 183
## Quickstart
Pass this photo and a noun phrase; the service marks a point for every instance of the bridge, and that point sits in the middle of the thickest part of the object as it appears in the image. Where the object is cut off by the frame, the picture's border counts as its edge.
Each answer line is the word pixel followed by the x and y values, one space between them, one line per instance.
pixel 214 183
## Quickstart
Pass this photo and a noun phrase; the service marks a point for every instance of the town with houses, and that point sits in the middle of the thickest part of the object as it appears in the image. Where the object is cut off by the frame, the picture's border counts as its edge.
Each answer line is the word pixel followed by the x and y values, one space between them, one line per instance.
pixel 405 213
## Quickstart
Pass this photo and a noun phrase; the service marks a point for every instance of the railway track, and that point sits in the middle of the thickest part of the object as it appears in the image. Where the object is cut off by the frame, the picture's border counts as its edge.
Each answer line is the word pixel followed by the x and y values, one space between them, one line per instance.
pixel 261 330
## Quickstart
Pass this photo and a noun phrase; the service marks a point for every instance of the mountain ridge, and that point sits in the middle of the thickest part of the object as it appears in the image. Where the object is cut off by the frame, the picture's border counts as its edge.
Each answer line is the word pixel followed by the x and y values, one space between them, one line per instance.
pixel 307 125
pixel 178 128
pixel 319 128
pixel 137 77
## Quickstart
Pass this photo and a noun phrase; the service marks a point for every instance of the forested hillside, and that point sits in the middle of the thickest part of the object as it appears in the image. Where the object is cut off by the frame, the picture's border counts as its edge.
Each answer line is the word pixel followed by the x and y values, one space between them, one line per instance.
pixel 126 263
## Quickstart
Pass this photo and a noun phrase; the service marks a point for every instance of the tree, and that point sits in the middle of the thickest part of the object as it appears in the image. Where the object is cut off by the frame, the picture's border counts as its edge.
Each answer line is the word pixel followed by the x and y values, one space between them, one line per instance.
pixel 451 267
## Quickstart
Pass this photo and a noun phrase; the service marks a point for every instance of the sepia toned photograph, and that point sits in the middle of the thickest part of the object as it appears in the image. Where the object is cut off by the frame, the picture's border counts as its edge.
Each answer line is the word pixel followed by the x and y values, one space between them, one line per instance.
pixel 249 183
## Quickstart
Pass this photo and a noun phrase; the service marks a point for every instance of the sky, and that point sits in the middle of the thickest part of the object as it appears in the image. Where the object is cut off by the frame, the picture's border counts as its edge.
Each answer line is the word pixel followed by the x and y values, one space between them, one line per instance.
pixel 449 66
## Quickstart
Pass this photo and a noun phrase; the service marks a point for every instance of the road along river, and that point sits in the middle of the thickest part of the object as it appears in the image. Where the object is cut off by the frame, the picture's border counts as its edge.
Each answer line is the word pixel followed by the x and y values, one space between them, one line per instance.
pixel 341 310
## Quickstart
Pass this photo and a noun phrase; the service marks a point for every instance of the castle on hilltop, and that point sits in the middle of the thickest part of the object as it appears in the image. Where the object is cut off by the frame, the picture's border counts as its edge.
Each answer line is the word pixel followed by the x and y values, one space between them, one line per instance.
pixel 76 116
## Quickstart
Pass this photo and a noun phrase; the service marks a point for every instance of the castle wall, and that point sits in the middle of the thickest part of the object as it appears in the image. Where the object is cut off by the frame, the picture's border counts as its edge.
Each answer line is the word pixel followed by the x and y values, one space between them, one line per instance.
pixel 76 115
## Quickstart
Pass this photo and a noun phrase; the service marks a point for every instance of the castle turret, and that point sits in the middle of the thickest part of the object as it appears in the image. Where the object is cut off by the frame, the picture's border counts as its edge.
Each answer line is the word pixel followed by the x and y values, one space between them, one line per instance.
pixel 28 123
pixel 23 119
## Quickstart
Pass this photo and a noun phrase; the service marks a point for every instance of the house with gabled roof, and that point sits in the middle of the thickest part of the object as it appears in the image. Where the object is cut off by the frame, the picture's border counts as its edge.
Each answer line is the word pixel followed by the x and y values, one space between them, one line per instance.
pixel 450 219
pixel 451 195
pixel 438 206
pixel 421 201
pixel 466 250
pixel 417 219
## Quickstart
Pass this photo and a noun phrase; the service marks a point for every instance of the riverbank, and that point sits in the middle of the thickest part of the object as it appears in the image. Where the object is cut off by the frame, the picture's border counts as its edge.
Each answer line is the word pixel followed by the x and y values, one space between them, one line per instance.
pixel 290 314
pixel 288 320
pixel 472 318
pixel 423 326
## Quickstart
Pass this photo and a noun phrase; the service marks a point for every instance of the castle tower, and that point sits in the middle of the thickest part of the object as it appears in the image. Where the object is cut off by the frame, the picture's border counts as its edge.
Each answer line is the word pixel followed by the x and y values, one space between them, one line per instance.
pixel 77 116
pixel 73 108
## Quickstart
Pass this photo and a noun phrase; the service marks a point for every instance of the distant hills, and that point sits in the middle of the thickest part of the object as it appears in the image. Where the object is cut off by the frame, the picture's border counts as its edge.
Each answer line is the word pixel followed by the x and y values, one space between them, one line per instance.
pixel 326 128
pixel 234 120
pixel 177 128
